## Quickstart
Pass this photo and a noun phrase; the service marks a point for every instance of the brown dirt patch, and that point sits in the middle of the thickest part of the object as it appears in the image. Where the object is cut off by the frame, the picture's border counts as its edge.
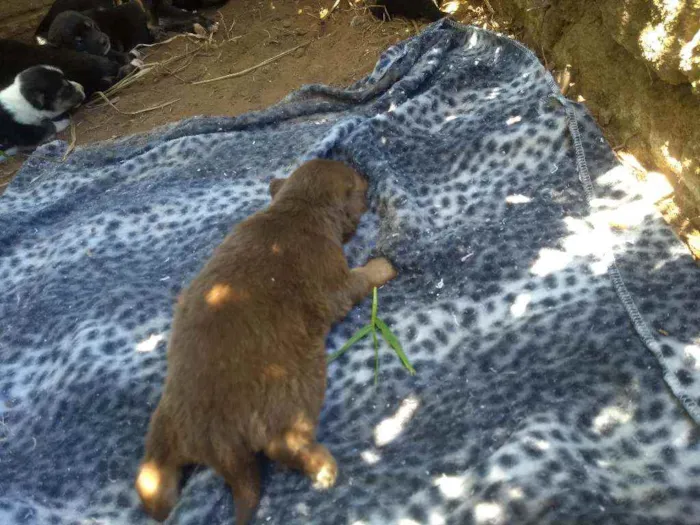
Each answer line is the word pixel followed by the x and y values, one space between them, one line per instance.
pixel 344 47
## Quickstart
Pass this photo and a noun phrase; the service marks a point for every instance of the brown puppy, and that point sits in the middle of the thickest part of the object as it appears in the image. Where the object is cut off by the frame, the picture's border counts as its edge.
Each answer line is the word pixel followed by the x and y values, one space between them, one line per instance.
pixel 247 358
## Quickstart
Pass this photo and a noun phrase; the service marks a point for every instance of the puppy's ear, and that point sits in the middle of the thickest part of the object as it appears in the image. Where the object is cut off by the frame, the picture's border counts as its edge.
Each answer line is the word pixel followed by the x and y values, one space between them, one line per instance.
pixel 275 186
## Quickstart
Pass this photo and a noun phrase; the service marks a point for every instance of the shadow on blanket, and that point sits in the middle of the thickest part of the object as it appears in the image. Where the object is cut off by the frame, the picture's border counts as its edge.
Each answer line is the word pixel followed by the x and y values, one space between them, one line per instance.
pixel 554 386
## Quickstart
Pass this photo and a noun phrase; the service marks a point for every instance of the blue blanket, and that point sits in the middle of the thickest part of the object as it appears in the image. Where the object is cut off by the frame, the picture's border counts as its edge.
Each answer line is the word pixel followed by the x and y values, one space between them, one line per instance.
pixel 550 313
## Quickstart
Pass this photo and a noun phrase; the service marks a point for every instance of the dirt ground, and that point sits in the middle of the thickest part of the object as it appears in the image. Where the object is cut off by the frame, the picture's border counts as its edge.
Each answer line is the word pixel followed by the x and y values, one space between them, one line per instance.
pixel 336 47
pixel 340 48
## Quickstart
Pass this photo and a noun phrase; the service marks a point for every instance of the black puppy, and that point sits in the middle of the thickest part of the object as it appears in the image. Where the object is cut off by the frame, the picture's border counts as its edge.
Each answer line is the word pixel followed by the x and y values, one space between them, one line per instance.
pixel 94 73
pixel 112 31
pixel 193 5
pixel 165 15
pixel 161 15
pixel 33 108
pixel 76 31
pixel 59 6
pixel 412 9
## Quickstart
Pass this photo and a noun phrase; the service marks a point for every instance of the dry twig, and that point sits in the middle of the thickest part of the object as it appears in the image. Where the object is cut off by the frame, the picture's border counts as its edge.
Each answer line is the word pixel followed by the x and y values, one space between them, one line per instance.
pixel 132 113
pixel 179 35
pixel 253 68
pixel 73 140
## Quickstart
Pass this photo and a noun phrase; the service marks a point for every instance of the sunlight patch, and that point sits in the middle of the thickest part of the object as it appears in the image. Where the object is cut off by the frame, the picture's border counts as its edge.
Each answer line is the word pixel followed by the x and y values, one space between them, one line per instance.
pixel 450 7
pixel 452 487
pixel 497 474
pixel 150 344
pixel 538 443
pixel 692 352
pixel 519 306
pixel 550 261
pixel 652 40
pixel 612 178
pixel 655 40
pixel 220 294
pixel 610 417
pixel 628 215
pixel 516 493
pixel 684 437
pixel 656 186
pixel 672 161
pixel 590 239
pixel 436 519
pixel 148 480
pixel 389 429
pixel 488 513
pixel 370 457
pixel 513 120
pixel 518 199
pixel 688 51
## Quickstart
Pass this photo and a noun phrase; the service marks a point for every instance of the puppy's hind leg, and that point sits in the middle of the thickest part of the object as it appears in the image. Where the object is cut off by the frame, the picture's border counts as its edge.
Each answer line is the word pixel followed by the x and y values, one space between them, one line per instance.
pixel 242 472
pixel 158 479
pixel 299 451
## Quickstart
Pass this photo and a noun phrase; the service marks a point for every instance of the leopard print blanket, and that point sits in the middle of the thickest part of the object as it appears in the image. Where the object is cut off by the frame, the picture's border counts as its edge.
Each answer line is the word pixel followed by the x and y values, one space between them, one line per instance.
pixel 550 313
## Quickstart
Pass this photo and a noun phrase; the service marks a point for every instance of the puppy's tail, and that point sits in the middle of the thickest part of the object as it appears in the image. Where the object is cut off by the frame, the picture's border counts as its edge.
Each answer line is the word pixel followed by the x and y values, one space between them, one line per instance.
pixel 158 479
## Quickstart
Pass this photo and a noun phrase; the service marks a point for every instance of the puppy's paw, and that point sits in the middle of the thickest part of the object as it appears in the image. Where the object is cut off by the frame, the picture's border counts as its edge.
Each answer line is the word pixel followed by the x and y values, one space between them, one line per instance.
pixel 9 152
pixel 157 33
pixel 208 25
pixel 126 70
pixel 379 271
pixel 325 477
pixel 62 124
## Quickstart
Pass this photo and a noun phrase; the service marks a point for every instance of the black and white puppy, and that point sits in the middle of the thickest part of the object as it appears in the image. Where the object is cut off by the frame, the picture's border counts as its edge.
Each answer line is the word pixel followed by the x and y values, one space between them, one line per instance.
pixel 93 72
pixel 35 106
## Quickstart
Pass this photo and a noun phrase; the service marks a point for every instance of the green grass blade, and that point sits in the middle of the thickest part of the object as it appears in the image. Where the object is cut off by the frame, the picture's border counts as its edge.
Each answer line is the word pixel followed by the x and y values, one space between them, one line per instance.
pixel 362 332
pixel 375 305
pixel 395 344
pixel 376 355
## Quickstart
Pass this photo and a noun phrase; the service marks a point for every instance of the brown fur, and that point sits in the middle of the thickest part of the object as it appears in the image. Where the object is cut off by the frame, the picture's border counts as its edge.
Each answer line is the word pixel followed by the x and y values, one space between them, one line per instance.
pixel 247 358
